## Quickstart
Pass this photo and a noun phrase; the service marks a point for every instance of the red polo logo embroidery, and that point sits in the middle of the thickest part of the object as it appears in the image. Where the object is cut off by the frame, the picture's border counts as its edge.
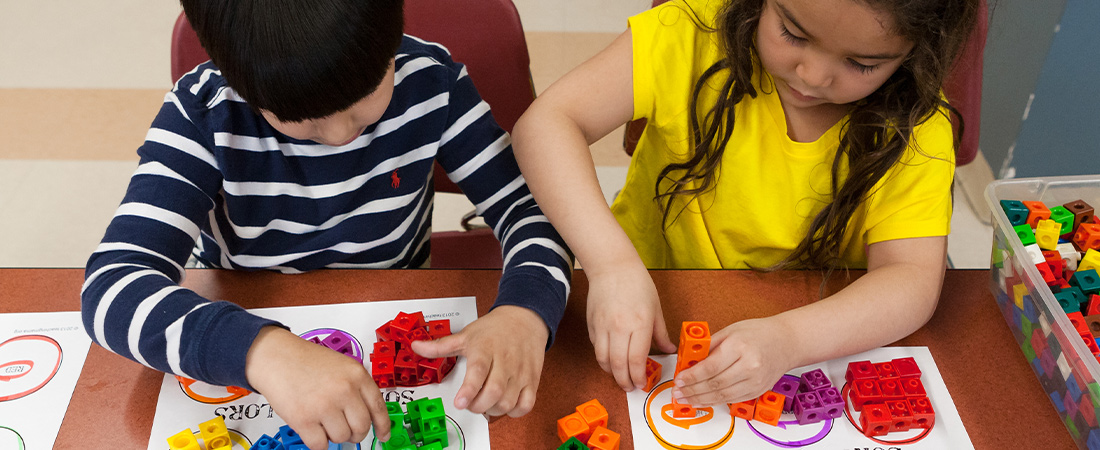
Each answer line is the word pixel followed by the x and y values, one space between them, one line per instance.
pixel 394 180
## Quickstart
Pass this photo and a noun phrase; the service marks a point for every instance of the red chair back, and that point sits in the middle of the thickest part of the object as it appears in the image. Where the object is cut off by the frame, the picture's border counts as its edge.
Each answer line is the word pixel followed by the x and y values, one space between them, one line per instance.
pixel 187 52
pixel 963 89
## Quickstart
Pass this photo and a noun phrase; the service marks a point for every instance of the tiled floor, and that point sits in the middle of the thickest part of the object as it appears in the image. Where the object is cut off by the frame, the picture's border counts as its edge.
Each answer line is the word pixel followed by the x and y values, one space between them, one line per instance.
pixel 75 101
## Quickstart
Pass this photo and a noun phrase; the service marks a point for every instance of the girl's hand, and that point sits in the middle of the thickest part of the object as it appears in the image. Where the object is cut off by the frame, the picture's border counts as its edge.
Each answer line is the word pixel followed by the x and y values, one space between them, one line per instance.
pixel 323 395
pixel 746 359
pixel 624 315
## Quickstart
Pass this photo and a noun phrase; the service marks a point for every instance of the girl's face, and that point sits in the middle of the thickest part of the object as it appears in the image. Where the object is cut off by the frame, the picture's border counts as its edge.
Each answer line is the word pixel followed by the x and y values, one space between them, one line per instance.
pixel 827 52
pixel 342 127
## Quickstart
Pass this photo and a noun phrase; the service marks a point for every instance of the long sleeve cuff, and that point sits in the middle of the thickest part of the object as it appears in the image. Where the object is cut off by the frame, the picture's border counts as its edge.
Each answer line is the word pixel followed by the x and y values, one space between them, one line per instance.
pixel 226 342
pixel 531 288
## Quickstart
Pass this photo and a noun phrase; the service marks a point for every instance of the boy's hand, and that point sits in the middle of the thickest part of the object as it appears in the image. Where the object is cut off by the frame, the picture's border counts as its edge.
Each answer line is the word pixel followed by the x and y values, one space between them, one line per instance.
pixel 624 316
pixel 746 359
pixel 323 395
pixel 504 351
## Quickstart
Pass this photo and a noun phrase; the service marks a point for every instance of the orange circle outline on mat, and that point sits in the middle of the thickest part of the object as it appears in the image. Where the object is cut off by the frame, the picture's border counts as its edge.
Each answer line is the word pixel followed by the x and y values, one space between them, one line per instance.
pixel 661 440
pixel 233 391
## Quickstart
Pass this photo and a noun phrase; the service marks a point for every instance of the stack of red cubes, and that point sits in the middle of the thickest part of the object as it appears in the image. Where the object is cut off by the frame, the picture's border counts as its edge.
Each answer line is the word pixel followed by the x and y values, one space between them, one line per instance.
pixel 889 395
pixel 393 362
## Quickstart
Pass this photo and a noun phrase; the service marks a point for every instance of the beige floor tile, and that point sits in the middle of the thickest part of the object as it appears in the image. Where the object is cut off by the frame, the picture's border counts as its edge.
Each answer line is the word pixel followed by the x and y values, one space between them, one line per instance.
pixel 970 242
pixel 91 124
pixel 448 211
pixel 553 54
pixel 57 214
pixel 578 15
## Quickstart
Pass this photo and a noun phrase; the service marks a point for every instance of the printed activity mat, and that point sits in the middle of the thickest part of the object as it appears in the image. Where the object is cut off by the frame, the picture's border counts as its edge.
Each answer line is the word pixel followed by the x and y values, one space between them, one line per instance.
pixel 655 425
pixel 184 404
pixel 41 356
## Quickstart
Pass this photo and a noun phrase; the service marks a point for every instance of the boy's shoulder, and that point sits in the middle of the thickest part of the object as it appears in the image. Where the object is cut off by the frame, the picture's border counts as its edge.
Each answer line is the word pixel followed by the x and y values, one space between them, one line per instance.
pixel 202 86
pixel 425 52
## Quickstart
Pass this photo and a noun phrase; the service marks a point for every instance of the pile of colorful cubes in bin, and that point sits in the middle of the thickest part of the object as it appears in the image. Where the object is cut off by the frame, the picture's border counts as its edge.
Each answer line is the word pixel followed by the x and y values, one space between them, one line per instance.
pixel 889 396
pixel 393 362
pixel 811 397
pixel 587 425
pixel 1064 244
pixel 427 421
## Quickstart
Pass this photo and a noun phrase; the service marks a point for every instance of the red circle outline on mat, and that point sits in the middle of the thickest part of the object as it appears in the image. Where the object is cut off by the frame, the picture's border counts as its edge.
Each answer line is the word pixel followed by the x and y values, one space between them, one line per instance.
pixel 34 337
pixel 847 413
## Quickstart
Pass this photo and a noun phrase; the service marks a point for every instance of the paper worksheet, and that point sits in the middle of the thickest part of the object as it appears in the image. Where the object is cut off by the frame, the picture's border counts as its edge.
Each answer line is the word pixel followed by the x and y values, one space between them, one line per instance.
pixel 654 427
pixel 248 416
pixel 41 356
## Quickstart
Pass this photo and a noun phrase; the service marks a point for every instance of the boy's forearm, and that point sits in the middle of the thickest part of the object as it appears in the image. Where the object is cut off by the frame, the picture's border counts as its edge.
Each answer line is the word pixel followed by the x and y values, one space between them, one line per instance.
pixel 881 307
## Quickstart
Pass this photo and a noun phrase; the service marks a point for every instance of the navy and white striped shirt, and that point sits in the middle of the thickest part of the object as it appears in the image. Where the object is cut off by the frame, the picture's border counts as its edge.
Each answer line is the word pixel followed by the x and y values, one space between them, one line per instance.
pixel 216 179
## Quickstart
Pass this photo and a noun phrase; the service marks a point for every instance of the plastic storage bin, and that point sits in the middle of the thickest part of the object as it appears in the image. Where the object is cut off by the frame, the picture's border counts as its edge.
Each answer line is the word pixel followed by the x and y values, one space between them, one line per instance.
pixel 1066 368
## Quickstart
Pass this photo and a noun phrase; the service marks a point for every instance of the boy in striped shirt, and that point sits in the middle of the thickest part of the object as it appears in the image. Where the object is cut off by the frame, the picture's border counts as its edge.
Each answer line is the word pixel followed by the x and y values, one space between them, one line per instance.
pixel 283 153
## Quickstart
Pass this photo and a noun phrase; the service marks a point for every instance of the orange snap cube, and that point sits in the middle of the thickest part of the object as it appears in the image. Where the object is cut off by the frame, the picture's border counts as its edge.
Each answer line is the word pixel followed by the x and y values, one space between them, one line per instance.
pixel 769 407
pixel 593 413
pixel 745 410
pixel 603 439
pixel 1036 211
pixel 694 345
pixel 652 374
pixel 682 410
pixel 573 425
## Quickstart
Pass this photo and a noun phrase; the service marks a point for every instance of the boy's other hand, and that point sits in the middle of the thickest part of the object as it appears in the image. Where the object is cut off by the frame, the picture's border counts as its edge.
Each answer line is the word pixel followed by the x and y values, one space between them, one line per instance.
pixel 624 318
pixel 322 395
pixel 746 359
pixel 504 352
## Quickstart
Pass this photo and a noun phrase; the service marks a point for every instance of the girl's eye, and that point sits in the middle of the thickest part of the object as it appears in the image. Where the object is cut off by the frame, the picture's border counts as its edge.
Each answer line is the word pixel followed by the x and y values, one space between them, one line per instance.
pixel 862 68
pixel 790 37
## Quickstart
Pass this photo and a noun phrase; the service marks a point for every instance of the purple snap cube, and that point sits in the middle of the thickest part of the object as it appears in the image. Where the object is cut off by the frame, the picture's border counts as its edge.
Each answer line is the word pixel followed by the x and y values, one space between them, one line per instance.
pixel 788 386
pixel 808 409
pixel 831 402
pixel 814 380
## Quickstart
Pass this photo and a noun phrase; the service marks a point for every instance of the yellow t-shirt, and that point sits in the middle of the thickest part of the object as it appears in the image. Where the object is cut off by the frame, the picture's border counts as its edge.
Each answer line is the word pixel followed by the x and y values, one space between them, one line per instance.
pixel 769 187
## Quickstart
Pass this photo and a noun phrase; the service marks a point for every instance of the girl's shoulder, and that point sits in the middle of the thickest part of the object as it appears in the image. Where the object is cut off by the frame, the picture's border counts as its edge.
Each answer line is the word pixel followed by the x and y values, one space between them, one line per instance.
pixel 933 139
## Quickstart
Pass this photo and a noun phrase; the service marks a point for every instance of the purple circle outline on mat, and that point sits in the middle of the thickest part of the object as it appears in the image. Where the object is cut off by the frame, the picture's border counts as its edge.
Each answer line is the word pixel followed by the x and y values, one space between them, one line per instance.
pixel 327 331
pixel 794 444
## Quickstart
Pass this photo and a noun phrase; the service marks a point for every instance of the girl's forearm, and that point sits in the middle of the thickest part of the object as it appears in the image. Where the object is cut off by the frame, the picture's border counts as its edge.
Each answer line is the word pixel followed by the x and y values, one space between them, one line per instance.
pixel 554 156
pixel 881 307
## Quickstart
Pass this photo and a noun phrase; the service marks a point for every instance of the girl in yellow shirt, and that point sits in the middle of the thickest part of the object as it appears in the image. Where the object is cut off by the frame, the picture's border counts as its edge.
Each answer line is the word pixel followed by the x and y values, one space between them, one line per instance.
pixel 781 134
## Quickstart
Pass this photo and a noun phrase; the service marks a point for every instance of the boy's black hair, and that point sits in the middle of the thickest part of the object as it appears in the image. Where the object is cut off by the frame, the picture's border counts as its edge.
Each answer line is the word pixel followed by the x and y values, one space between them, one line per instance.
pixel 299 59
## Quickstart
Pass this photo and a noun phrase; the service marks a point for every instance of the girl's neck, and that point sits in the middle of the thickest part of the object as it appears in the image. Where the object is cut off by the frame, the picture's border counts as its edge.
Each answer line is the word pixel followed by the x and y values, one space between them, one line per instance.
pixel 808 125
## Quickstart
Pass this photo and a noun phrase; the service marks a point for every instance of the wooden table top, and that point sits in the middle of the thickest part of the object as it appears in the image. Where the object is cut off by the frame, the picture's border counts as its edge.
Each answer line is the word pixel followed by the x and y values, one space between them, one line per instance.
pixel 997 395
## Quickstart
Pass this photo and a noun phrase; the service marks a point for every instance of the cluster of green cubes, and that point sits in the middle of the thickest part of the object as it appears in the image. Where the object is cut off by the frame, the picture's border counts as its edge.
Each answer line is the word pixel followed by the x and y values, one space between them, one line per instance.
pixel 426 421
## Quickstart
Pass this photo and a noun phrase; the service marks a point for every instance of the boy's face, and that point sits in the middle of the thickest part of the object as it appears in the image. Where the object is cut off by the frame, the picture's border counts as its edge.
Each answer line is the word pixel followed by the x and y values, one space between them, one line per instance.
pixel 341 128
pixel 830 52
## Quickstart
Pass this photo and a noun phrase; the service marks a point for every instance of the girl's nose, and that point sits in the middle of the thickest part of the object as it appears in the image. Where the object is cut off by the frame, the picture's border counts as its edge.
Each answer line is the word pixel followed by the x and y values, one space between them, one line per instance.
pixel 814 73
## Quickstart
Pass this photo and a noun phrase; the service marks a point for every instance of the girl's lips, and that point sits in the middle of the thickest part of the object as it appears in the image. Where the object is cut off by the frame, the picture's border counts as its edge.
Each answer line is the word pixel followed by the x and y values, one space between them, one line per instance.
pixel 800 96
